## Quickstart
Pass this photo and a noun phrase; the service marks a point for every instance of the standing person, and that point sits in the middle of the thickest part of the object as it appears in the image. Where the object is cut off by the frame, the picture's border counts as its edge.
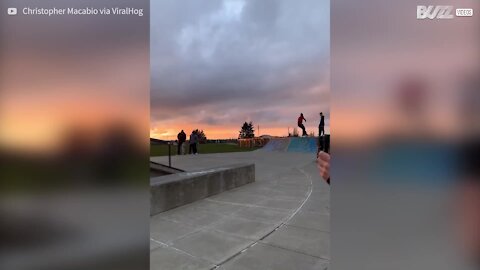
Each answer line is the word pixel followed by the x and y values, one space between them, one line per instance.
pixel 193 143
pixel 300 124
pixel 182 137
pixel 321 126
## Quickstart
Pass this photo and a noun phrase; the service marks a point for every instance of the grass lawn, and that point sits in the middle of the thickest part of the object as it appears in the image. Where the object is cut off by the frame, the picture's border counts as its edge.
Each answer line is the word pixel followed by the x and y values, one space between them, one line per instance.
pixel 209 148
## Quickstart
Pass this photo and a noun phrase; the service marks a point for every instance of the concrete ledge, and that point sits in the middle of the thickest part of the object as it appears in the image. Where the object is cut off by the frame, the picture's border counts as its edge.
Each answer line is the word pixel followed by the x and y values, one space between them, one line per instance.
pixel 157 169
pixel 170 191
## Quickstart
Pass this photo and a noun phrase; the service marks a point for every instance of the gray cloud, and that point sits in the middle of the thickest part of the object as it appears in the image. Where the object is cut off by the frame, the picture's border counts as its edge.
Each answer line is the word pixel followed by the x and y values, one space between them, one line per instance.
pixel 71 35
pixel 220 62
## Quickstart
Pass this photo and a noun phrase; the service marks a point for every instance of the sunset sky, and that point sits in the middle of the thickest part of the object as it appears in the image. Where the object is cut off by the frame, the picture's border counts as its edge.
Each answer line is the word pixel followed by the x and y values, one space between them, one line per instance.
pixel 217 64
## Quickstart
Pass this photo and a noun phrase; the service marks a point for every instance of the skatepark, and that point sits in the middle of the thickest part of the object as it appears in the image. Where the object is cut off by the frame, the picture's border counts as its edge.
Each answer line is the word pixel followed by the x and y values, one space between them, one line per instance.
pixel 264 209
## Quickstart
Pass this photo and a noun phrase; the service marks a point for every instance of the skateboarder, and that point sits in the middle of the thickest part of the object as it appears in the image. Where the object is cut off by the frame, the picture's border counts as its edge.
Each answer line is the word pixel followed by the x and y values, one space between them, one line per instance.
pixel 321 126
pixel 300 124
pixel 182 137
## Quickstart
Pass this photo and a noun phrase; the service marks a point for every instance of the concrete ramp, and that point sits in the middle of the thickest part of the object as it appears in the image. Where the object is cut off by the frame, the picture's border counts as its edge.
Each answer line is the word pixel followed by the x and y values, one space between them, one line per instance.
pixel 292 144
pixel 280 144
pixel 303 145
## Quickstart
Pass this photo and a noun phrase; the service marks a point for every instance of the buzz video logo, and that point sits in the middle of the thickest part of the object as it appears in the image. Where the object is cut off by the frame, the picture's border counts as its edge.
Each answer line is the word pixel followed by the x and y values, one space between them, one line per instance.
pixel 435 12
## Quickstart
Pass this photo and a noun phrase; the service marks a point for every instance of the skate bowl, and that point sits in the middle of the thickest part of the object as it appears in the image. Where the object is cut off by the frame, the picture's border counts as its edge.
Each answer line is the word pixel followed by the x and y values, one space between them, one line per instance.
pixel 280 144
pixel 292 144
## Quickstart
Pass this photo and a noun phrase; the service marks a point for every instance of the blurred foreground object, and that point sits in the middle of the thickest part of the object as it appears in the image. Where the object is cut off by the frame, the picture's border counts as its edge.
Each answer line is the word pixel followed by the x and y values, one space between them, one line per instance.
pixel 400 121
pixel 74 123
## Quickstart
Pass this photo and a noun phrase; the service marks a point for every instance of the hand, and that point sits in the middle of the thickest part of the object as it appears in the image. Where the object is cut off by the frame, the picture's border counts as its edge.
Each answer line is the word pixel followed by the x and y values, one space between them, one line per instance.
pixel 323 164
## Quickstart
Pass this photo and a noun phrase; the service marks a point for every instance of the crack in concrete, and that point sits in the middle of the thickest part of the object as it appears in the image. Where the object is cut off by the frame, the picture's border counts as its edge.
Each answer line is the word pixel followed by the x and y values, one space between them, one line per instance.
pixel 309 193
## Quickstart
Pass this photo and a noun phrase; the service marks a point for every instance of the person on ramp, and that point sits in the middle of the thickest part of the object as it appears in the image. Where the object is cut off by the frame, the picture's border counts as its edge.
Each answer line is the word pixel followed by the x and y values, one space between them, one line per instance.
pixel 181 137
pixel 321 126
pixel 322 140
pixel 300 124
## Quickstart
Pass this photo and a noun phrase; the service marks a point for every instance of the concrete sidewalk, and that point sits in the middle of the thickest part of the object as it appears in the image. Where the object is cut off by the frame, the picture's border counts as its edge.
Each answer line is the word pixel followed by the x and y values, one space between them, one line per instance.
pixel 281 221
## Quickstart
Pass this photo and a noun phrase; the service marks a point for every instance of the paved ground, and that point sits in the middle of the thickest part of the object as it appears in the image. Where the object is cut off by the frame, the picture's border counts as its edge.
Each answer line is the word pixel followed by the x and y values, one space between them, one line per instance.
pixel 279 222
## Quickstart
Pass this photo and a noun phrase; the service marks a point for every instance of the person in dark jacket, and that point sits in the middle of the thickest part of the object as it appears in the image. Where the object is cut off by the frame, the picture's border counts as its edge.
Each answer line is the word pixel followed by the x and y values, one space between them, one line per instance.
pixel 182 137
pixel 193 143
pixel 321 126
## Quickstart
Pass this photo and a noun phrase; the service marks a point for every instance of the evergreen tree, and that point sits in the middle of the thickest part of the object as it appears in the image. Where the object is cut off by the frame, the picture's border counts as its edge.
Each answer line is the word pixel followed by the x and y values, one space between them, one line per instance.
pixel 247 131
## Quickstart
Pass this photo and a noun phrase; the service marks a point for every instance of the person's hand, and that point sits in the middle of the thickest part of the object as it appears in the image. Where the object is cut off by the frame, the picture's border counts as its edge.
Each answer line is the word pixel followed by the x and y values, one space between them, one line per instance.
pixel 323 164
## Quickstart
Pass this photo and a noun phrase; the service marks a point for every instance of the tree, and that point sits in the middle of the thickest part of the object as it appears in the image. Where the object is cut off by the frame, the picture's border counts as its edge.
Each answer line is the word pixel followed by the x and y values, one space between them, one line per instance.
pixel 202 138
pixel 247 131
